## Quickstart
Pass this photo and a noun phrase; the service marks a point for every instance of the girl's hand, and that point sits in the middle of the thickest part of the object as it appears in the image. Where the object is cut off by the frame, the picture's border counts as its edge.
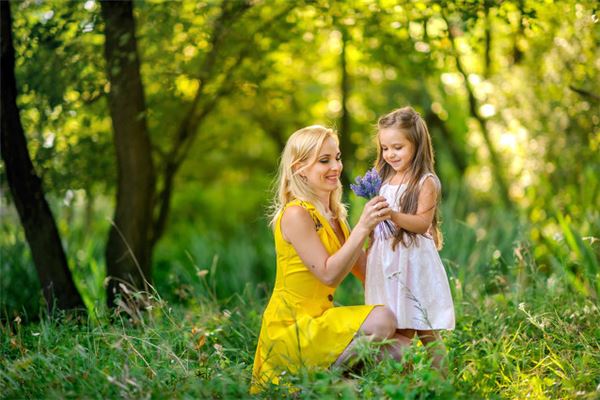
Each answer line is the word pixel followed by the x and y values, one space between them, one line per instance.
pixel 376 210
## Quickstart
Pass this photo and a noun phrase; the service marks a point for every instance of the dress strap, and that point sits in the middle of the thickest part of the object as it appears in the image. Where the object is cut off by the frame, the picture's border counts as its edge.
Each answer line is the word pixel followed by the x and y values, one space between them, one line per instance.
pixel 308 207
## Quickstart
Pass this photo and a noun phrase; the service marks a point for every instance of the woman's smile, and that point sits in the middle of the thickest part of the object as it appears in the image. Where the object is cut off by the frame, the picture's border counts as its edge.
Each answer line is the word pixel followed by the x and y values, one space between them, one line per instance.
pixel 333 178
pixel 324 174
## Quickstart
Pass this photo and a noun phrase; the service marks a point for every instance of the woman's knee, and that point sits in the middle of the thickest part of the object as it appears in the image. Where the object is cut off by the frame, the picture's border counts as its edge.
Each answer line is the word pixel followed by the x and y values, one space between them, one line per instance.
pixel 381 323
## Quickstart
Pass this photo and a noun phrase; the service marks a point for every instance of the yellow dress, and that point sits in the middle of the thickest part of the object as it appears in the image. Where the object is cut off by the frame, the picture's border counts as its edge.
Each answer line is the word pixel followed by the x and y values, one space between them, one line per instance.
pixel 300 325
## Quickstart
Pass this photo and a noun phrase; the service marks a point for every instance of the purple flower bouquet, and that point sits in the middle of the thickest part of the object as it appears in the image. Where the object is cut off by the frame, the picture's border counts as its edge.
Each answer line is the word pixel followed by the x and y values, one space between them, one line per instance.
pixel 368 187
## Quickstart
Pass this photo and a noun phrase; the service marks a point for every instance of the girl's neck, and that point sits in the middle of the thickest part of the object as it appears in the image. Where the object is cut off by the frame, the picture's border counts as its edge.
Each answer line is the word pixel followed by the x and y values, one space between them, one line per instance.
pixel 399 178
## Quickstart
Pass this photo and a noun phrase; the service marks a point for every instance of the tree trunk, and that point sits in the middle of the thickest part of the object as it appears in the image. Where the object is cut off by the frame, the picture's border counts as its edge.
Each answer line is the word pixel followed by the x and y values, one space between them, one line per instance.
pixel 143 201
pixel 517 53
pixel 26 189
pixel 457 152
pixel 198 110
pixel 496 163
pixel 487 58
pixel 347 148
pixel 128 251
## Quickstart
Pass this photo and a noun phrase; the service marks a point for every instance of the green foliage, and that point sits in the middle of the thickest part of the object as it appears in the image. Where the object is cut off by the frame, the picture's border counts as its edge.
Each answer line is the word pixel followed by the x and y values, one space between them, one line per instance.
pixel 539 93
pixel 61 83
pixel 526 282
pixel 20 291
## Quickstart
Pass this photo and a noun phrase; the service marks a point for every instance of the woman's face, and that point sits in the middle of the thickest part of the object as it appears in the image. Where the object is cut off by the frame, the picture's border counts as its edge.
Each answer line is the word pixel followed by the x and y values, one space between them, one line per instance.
pixel 324 174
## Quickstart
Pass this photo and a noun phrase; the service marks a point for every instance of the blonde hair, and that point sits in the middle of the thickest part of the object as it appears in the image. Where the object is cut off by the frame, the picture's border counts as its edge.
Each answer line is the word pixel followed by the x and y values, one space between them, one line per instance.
pixel 300 152
pixel 412 125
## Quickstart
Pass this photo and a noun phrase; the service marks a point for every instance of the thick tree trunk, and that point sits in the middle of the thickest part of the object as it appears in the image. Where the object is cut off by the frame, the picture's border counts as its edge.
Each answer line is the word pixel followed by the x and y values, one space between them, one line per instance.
pixel 128 251
pixel 143 202
pixel 26 189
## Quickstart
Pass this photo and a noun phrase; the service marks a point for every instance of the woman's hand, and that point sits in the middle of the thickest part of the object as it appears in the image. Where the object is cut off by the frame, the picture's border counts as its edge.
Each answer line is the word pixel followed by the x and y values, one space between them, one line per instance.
pixel 376 210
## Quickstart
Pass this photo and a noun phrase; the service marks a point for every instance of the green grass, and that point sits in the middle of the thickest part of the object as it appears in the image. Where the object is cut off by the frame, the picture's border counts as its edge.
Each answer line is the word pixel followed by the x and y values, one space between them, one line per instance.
pixel 542 343
pixel 526 302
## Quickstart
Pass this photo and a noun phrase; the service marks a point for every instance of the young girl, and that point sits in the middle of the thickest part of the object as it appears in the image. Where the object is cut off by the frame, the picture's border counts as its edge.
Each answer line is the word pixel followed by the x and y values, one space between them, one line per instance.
pixel 405 272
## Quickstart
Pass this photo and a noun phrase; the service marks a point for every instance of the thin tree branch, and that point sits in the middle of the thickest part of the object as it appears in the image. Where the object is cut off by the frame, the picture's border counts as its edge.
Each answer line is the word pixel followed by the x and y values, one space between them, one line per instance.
pixel 473 109
pixel 585 93
pixel 188 129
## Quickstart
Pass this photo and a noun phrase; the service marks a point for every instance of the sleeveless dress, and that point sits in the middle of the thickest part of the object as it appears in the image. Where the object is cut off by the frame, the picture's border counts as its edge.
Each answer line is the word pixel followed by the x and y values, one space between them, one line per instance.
pixel 411 281
pixel 300 325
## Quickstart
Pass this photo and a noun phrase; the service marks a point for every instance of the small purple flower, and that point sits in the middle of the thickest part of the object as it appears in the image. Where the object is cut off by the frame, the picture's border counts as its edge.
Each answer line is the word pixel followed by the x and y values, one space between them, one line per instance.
pixel 368 187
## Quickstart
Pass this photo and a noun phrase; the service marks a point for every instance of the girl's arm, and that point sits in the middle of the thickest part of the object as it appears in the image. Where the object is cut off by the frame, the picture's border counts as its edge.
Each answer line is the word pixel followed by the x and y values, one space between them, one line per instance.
pixel 421 221
pixel 298 228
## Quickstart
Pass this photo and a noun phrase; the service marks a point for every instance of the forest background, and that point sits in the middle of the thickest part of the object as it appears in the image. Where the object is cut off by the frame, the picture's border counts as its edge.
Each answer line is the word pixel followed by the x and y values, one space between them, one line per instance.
pixel 155 129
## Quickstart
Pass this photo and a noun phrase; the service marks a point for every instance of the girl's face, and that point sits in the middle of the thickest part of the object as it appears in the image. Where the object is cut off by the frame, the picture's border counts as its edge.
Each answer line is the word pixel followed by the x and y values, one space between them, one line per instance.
pixel 396 149
pixel 324 174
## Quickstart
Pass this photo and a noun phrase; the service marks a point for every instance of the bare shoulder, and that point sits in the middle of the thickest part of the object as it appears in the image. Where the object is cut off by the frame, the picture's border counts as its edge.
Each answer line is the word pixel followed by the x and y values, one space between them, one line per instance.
pixel 296 221
pixel 431 184
pixel 429 193
pixel 295 214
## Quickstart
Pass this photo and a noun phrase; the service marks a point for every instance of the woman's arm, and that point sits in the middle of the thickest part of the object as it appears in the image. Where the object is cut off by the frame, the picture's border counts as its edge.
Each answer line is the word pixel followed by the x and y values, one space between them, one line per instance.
pixel 360 267
pixel 298 228
pixel 421 221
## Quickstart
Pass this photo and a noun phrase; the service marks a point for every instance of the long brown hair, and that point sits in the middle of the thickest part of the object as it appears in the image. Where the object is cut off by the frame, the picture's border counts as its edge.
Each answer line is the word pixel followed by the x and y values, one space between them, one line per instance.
pixel 412 125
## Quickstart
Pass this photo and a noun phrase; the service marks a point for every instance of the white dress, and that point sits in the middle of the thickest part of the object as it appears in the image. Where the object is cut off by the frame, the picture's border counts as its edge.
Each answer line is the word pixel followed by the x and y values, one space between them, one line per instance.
pixel 411 281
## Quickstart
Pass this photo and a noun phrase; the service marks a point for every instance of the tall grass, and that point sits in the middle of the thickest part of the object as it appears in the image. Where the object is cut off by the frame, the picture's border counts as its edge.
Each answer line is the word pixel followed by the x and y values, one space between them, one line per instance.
pixel 526 306
pixel 544 343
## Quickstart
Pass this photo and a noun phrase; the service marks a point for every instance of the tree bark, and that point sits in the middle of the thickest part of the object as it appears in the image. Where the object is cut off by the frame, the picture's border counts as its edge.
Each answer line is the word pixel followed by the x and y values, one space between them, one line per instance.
pixel 347 148
pixel 200 107
pixel 129 250
pixel 457 152
pixel 143 200
pixel 487 58
pixel 26 189
pixel 517 53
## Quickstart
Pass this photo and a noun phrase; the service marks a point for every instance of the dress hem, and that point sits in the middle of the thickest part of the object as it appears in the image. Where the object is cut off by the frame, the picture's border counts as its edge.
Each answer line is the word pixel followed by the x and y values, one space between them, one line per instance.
pixel 356 333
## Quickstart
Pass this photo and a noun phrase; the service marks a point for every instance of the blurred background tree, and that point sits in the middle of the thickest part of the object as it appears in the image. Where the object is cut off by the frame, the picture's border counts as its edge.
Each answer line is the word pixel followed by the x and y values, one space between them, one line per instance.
pixel 510 91
pixel 27 191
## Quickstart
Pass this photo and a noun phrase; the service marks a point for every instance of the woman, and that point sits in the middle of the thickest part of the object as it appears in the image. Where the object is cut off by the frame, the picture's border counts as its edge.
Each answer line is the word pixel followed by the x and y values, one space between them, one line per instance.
pixel 315 252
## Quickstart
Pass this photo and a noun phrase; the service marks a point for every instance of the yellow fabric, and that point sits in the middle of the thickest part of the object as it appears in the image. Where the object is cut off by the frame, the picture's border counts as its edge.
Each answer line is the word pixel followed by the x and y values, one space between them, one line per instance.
pixel 300 325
